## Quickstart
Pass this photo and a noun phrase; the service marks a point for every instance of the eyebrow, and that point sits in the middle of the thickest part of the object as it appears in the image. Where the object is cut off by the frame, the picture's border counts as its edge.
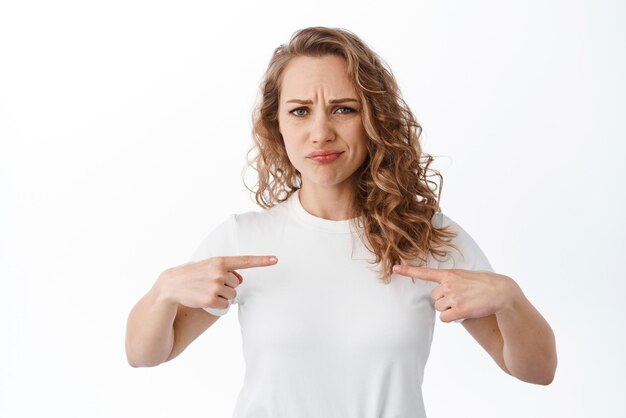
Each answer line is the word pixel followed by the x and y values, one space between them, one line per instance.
pixel 301 101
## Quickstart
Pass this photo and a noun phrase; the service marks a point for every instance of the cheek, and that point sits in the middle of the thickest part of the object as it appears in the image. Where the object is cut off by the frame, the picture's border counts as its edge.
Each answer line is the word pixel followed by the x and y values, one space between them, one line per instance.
pixel 355 129
pixel 286 129
pixel 363 155
pixel 359 139
pixel 291 150
pixel 291 138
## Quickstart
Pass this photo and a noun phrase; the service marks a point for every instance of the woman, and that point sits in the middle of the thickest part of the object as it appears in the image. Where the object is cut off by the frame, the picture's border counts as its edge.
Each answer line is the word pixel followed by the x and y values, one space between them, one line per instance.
pixel 343 189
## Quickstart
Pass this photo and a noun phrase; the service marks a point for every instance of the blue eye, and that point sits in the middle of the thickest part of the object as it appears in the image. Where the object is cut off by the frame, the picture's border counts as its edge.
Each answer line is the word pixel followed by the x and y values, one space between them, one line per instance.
pixel 301 111
pixel 297 110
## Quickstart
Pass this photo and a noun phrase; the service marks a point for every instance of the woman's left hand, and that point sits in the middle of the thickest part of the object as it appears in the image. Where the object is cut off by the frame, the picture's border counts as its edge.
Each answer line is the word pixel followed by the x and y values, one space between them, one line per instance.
pixel 463 294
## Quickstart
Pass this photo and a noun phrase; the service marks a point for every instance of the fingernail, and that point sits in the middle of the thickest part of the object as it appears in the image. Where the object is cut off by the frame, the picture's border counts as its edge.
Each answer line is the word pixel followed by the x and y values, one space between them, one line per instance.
pixel 273 259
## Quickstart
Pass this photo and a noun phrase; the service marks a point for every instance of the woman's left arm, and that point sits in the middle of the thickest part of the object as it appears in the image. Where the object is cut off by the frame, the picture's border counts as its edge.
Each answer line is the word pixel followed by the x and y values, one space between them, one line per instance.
pixel 529 346
pixel 498 315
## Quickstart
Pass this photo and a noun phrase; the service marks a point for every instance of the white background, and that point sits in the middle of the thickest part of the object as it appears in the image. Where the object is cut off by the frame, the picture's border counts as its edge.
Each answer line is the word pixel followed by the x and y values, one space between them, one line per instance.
pixel 124 127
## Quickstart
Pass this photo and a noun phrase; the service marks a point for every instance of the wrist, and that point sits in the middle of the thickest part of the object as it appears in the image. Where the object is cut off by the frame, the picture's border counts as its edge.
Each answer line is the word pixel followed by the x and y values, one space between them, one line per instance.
pixel 162 290
pixel 514 298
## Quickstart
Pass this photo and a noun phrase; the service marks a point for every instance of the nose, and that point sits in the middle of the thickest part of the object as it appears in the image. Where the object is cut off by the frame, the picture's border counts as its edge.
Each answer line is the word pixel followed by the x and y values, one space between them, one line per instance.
pixel 322 128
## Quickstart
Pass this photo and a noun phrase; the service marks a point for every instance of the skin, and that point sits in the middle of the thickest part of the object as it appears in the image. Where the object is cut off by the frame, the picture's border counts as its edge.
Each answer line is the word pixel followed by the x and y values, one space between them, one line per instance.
pixel 496 312
pixel 170 316
pixel 321 125
pixel 499 317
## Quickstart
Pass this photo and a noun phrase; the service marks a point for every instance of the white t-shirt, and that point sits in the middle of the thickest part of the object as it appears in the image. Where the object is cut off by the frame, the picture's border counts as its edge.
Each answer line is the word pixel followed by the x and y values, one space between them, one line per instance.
pixel 322 335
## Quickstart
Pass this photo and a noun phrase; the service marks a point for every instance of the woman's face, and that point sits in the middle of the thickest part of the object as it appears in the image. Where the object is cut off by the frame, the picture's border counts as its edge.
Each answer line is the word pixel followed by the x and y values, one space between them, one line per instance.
pixel 319 110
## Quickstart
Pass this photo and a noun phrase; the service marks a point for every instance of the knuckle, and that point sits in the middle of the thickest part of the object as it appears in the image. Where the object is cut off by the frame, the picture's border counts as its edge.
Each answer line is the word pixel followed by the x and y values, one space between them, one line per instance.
pixel 215 262
pixel 218 302
pixel 207 300
pixel 210 275
pixel 214 289
pixel 220 262
pixel 214 297
pixel 167 273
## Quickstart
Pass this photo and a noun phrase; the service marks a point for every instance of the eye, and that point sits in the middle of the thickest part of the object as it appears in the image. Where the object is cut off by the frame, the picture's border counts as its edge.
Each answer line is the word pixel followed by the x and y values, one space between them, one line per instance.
pixel 298 112
pixel 347 109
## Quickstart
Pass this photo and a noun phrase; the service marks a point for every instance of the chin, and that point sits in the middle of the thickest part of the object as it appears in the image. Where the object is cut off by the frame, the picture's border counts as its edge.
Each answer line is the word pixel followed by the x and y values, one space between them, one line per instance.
pixel 326 182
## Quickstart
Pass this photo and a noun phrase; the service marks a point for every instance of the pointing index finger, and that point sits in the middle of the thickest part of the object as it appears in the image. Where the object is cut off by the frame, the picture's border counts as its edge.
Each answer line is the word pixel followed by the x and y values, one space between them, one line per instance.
pixel 248 261
pixel 424 273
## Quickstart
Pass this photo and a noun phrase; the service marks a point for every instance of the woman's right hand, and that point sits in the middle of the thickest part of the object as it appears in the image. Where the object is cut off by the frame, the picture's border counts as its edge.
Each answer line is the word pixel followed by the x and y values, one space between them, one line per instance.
pixel 208 283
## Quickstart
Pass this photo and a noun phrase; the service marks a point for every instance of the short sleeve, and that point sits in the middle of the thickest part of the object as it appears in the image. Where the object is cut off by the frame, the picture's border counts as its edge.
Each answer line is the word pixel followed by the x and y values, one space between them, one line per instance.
pixel 220 241
pixel 469 255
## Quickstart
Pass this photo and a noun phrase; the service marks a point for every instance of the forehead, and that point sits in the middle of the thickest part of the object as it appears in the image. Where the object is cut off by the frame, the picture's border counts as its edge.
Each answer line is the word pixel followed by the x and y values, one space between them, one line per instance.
pixel 304 77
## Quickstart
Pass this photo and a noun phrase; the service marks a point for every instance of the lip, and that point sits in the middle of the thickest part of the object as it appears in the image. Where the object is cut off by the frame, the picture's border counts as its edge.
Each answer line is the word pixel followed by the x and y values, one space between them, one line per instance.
pixel 322 153
pixel 326 159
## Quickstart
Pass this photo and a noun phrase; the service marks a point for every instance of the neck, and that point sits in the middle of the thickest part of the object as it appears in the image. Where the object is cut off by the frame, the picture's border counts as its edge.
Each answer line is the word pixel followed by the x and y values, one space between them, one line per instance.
pixel 332 203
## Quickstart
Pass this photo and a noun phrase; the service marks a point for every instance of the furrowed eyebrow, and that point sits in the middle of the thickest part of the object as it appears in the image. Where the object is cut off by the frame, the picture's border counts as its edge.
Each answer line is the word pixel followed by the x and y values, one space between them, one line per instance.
pixel 301 101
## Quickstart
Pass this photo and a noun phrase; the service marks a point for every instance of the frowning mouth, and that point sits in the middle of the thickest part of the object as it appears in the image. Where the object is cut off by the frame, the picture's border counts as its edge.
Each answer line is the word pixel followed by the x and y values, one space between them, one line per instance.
pixel 322 152
pixel 326 158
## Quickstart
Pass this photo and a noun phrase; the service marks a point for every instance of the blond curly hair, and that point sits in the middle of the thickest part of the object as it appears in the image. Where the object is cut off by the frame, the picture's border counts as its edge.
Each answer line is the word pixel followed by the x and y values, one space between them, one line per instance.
pixel 394 204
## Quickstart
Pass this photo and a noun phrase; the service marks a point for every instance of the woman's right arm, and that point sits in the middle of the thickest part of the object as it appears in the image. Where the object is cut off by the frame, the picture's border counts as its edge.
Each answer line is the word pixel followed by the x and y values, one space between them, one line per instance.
pixel 170 316
pixel 159 328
